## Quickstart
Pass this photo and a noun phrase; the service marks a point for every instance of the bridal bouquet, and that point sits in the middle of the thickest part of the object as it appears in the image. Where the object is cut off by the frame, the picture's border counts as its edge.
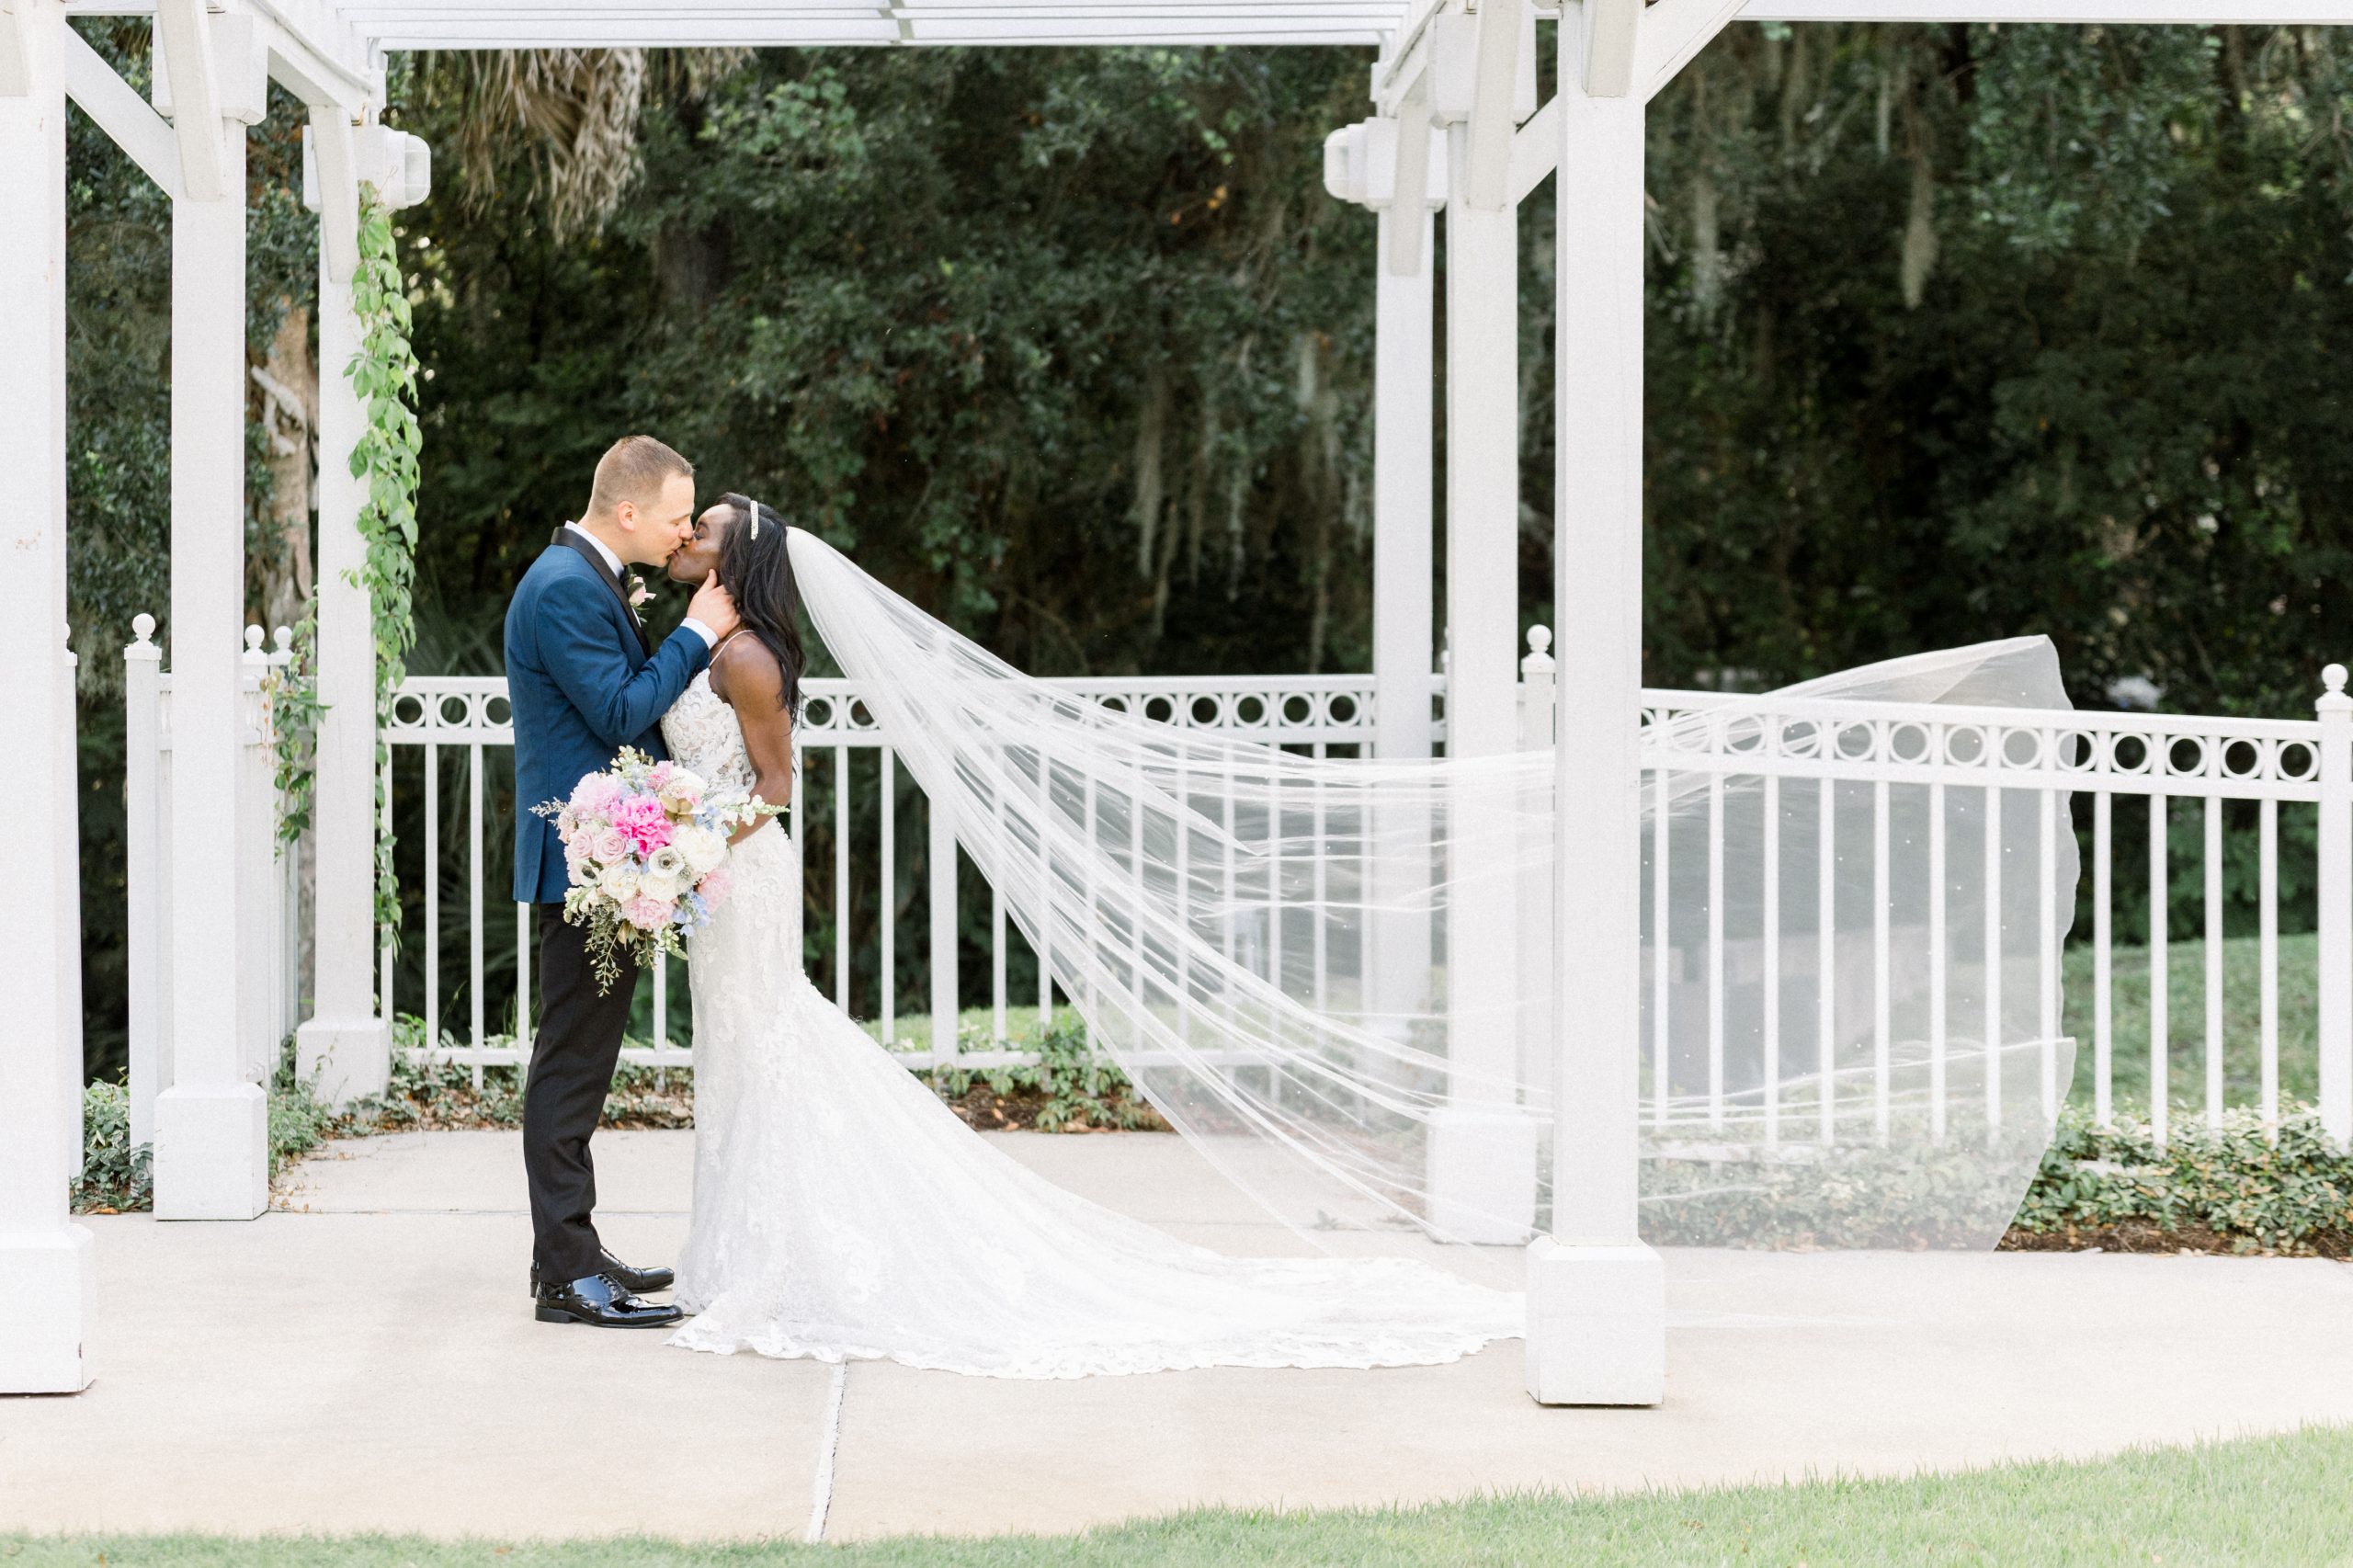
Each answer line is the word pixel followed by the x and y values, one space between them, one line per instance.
pixel 646 844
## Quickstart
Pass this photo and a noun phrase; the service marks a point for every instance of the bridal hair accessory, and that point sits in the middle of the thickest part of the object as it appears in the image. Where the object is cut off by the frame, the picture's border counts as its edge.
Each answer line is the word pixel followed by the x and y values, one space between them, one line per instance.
pixel 756 515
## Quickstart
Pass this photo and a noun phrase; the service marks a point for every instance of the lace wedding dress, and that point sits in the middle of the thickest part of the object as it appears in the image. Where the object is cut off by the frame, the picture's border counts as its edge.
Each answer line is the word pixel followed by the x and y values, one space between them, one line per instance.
pixel 841 1211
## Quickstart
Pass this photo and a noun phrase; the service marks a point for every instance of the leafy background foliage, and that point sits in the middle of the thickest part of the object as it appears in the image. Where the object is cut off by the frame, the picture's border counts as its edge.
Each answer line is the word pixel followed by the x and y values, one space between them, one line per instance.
pixel 1957 333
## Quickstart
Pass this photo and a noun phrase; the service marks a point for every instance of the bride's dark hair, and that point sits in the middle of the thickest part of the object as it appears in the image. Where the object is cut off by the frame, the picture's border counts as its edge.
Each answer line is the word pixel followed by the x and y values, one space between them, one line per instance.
pixel 756 567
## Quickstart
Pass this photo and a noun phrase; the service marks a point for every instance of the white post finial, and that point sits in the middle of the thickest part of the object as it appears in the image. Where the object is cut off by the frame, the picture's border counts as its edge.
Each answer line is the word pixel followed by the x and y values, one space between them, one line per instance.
pixel 254 638
pixel 2336 769
pixel 142 628
pixel 1538 659
pixel 282 640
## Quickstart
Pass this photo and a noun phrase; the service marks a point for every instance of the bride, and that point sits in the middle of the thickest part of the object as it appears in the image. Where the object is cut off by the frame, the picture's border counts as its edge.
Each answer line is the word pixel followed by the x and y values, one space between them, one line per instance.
pixel 841 1211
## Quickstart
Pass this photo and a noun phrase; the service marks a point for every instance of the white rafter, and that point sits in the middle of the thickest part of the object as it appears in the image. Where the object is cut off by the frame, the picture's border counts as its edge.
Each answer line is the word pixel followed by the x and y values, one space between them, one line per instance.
pixel 122 113
pixel 335 174
pixel 1494 88
pixel 184 35
pixel 1613 29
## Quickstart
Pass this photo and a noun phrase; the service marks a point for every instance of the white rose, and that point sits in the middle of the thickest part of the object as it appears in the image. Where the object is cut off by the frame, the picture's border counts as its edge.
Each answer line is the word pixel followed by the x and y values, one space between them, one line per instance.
pixel 619 882
pixel 652 886
pixel 703 848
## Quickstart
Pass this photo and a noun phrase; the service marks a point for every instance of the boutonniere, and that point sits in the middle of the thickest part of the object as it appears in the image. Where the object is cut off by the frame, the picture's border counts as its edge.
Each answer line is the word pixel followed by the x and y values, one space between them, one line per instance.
pixel 638 592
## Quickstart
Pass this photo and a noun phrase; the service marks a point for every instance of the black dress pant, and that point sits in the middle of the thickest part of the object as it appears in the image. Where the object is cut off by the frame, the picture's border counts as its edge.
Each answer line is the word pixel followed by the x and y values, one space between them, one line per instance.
pixel 578 1046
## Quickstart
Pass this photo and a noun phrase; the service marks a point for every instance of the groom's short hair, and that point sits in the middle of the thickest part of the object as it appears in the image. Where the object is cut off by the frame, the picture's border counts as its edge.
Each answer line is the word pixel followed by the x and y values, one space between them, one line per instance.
pixel 634 468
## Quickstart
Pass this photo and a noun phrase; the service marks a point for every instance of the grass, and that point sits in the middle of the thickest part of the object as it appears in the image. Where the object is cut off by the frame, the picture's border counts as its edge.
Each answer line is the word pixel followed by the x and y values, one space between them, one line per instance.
pixel 975 1029
pixel 2185 1032
pixel 2270 1500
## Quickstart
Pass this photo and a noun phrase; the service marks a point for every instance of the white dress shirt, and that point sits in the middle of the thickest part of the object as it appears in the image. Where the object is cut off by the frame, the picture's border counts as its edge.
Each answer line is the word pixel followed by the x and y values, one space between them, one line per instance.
pixel 613 565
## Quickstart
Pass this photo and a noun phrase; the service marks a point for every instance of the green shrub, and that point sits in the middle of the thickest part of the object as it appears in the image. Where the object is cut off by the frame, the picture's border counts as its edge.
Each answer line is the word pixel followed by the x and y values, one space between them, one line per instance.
pixel 117 1176
pixel 2229 1187
pixel 1068 1089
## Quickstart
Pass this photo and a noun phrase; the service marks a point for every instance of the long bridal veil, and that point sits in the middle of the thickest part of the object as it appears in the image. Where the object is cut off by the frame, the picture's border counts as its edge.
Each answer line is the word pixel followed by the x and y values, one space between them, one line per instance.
pixel 1334 977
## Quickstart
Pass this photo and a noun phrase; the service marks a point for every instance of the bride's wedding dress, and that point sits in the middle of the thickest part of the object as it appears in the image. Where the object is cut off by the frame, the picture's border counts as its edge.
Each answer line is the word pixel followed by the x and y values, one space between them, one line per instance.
pixel 841 1211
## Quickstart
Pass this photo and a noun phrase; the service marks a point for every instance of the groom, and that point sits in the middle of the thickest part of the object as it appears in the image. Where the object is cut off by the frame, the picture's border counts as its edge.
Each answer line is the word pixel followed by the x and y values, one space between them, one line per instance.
pixel 585 680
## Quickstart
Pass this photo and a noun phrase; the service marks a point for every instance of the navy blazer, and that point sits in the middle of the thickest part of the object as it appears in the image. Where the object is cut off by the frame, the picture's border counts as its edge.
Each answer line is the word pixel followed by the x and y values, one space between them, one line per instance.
pixel 583 683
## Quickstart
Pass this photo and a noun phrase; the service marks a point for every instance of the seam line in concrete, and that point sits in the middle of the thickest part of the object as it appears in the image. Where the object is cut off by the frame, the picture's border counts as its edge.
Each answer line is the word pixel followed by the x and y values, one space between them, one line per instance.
pixel 821 1493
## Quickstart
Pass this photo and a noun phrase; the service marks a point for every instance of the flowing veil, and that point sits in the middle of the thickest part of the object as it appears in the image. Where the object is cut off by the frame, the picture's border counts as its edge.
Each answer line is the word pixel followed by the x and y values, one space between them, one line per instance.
pixel 1264 942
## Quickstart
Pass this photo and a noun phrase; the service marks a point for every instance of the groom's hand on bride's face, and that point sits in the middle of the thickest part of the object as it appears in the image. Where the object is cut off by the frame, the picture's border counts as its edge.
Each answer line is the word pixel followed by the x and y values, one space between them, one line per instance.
pixel 714 606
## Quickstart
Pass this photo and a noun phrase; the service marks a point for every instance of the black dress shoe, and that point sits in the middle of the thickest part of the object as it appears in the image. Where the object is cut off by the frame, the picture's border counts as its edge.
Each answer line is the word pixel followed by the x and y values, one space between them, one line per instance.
pixel 636 1281
pixel 600 1301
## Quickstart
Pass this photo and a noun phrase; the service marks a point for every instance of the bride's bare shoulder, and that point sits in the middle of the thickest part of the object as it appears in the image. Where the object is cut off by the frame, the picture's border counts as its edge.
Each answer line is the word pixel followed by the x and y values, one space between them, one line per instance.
pixel 745 672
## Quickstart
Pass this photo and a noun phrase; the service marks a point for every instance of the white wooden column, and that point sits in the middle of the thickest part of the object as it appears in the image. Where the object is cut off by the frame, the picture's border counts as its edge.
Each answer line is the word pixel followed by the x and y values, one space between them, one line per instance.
pixel 1596 1296
pixel 47 1278
pixel 212 1142
pixel 1404 574
pixel 346 1042
pixel 1483 1149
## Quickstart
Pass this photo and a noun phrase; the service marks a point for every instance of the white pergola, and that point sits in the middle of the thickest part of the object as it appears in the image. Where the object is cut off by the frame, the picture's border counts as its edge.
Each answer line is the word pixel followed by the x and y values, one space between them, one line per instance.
pixel 1455 127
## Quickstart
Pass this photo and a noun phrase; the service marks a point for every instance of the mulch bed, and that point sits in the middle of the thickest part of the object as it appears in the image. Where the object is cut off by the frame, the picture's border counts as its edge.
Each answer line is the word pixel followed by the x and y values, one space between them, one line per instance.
pixel 986 1111
pixel 2146 1236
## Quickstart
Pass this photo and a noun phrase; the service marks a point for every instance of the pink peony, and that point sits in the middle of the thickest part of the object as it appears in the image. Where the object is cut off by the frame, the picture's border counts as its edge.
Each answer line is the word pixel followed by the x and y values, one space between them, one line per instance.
pixel 610 846
pixel 595 795
pixel 647 914
pixel 714 886
pixel 641 820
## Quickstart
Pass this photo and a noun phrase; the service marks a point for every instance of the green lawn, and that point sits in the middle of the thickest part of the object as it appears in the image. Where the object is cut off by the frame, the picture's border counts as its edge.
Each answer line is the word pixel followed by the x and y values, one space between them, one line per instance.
pixel 2185 1030
pixel 2279 1500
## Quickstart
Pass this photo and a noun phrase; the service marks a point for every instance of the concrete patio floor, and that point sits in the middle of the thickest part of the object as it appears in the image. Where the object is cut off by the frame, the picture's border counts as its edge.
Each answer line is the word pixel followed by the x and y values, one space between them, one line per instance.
pixel 364 1359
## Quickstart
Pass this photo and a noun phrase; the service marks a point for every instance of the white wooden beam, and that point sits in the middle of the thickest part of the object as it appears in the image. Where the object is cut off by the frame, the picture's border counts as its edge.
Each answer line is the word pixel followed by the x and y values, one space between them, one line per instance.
pixel 1612 34
pixel 118 111
pixel 184 38
pixel 1596 1304
pixel 1413 182
pixel 212 1125
pixel 344 1047
pixel 1493 100
pixel 1535 151
pixel 331 188
pixel 16 49
pixel 46 1273
pixel 315 54
pixel 1674 32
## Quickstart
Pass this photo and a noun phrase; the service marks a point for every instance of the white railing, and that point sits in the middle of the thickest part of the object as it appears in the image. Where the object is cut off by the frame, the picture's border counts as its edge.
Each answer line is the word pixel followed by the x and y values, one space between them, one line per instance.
pixel 1317 715
pixel 271 988
pixel 1993 755
pixel 1796 755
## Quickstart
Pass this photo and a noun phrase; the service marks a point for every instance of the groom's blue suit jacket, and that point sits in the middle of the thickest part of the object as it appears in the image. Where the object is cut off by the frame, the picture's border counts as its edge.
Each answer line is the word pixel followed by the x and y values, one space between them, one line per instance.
pixel 583 682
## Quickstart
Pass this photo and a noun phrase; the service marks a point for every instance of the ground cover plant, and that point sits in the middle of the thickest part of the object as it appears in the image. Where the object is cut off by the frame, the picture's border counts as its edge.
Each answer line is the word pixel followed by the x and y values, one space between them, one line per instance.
pixel 2277 1500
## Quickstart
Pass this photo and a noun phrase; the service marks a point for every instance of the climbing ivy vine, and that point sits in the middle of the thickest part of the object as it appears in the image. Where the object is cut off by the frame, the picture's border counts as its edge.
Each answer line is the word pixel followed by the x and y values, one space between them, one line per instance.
pixel 383 375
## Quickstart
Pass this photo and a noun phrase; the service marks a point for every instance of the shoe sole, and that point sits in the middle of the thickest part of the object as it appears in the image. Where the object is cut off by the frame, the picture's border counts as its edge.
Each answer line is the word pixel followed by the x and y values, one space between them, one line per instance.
pixel 557 1315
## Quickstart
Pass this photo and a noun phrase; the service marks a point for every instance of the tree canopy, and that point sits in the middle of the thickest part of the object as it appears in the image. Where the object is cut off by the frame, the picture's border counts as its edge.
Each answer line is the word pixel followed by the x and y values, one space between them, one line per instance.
pixel 1956 333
